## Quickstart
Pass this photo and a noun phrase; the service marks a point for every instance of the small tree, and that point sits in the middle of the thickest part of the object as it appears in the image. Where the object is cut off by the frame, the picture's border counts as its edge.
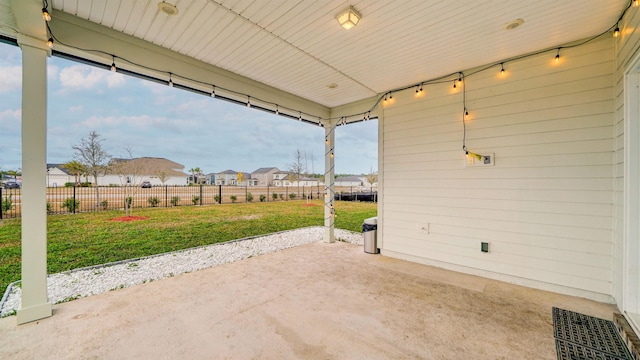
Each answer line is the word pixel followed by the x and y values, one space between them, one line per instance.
pixel 263 197
pixel 233 198
pixel 195 199
pixel 249 197
pixel 163 176
pixel 76 168
pixel 71 204
pixel 175 200
pixel 153 201
pixel 94 157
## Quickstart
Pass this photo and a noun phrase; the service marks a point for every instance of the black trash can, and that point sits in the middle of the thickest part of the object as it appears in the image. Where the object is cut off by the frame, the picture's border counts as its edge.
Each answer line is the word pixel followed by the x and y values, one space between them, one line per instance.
pixel 370 233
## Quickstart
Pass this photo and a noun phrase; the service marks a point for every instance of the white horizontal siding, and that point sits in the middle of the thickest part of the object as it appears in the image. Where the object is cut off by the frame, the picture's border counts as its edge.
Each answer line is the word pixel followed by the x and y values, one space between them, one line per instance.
pixel 546 207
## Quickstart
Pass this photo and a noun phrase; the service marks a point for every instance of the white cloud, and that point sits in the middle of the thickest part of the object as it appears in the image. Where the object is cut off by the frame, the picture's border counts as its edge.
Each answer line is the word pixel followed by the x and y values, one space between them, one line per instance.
pixel 76 108
pixel 82 77
pixel 142 122
pixel 10 78
pixel 10 121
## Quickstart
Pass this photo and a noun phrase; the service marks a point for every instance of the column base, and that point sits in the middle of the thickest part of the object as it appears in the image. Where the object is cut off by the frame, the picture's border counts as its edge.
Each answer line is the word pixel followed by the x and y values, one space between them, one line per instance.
pixel 33 313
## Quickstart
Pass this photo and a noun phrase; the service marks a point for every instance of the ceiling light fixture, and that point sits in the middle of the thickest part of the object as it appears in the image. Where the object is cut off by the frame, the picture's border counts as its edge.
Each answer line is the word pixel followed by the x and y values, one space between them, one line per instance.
pixel 349 18
pixel 167 8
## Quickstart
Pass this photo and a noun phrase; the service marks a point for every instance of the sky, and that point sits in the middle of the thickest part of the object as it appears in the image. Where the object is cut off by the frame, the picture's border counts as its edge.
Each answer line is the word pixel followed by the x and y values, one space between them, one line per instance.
pixel 156 120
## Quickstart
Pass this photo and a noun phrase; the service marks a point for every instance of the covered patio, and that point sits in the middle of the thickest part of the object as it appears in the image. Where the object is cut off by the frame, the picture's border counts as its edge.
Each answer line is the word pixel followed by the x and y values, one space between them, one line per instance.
pixel 318 301
pixel 508 150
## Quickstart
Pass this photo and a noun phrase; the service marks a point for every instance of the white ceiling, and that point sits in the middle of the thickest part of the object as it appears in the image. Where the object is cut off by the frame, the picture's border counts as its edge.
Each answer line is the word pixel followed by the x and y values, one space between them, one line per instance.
pixel 298 46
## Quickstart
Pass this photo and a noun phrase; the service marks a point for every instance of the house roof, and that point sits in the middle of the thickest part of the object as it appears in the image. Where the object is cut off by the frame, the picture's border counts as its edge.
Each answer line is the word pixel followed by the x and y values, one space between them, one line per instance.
pixel 265 170
pixel 299 48
pixel 151 166
pixel 229 172
pixel 348 179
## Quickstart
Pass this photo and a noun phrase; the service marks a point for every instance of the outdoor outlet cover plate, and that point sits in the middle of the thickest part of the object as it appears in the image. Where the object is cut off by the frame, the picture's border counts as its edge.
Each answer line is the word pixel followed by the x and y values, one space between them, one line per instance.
pixel 484 246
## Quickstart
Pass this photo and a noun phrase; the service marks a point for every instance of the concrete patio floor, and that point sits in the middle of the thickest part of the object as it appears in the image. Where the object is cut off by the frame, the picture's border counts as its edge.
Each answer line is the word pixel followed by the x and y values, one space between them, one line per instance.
pixel 318 301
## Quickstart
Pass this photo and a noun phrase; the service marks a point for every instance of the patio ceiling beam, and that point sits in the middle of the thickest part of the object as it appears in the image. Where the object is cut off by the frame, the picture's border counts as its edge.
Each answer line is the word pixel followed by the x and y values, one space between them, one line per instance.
pixel 97 43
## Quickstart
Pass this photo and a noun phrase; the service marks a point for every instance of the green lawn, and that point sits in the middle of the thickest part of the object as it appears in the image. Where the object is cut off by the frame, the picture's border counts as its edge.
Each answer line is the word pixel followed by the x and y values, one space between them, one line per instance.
pixel 87 239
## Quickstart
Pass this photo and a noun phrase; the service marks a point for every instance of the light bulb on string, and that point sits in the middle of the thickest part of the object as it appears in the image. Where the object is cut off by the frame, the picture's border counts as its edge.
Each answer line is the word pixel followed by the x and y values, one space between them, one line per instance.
pixel 460 79
pixel 113 63
pixel 50 43
pixel 466 114
pixel 502 69
pixel 248 101
pixel 300 116
pixel 45 14
pixel 277 109
pixel 616 31
pixel 636 3
pixel 331 155
pixel 454 84
pixel 170 81
pixel 558 56
pixel 213 91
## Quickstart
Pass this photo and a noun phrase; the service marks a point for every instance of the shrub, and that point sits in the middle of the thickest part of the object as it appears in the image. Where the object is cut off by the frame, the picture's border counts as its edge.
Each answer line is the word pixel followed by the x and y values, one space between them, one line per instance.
pixel 233 198
pixel 6 203
pixel 263 197
pixel 85 184
pixel 217 198
pixel 275 196
pixel 104 204
pixel 175 200
pixel 49 208
pixel 249 197
pixel 71 204
pixel 281 196
pixel 292 196
pixel 128 202
pixel 153 201
pixel 195 199
pixel 68 184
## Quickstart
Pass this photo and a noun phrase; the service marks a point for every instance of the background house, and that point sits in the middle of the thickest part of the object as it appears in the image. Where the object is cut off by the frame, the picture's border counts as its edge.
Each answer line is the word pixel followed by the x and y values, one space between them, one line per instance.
pixel 158 171
pixel 264 175
pixel 350 181
pixel 58 175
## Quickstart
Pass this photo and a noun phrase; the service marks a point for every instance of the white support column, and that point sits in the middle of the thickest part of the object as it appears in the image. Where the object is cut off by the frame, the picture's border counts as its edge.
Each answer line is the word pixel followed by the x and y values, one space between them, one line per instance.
pixel 35 302
pixel 329 180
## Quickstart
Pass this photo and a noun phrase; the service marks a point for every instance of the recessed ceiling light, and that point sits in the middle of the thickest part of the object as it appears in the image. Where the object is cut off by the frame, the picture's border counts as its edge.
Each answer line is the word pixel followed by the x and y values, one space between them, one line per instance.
pixel 167 8
pixel 513 24
pixel 332 86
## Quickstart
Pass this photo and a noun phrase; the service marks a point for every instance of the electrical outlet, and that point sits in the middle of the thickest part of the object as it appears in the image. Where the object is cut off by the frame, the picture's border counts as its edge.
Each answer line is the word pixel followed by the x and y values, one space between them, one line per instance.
pixel 484 247
pixel 486 159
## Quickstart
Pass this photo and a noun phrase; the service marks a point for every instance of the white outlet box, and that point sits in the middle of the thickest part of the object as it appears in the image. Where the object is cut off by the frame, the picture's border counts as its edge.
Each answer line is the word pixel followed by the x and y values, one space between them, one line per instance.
pixel 487 159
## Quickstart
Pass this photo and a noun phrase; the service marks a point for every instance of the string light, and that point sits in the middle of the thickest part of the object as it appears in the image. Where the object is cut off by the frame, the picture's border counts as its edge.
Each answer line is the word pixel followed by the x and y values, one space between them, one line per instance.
pixel 170 80
pixel 45 14
pixel 454 84
pixel 248 101
pixel 636 3
pixel 300 116
pixel 460 79
pixel 113 63
pixel 331 155
pixel 616 32
pixel 277 109
pixel 213 91
pixel 50 43
pixel 558 56
pixel 502 69
pixel 466 113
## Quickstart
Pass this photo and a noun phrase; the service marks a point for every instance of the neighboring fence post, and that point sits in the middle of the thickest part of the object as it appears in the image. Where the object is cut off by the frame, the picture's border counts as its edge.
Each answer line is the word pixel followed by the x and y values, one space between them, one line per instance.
pixel 166 196
pixel 0 202
pixel 219 194
pixel 246 193
pixel 268 197
pixel 200 194
pixel 74 198
pixel 286 193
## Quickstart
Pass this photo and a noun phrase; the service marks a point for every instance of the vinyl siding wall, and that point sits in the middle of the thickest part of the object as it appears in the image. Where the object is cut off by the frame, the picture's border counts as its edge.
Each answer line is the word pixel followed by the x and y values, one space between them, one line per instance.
pixel 546 207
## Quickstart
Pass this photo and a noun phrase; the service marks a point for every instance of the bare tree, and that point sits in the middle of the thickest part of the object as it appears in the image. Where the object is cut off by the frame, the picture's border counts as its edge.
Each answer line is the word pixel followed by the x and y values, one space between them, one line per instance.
pixel 163 176
pixel 297 168
pixel 94 157
pixel 372 177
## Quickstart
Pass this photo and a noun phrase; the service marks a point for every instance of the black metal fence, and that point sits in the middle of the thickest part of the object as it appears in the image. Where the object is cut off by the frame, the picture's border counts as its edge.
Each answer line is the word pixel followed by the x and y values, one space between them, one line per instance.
pixel 62 200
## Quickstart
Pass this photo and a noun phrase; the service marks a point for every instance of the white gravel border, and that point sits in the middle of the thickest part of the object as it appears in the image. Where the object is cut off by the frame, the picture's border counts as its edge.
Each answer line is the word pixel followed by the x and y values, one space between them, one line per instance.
pixel 94 280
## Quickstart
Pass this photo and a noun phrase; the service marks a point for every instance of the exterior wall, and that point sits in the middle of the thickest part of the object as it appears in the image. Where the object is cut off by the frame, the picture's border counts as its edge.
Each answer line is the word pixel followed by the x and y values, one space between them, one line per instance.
pixel 116 180
pixel 264 178
pixel 57 177
pixel 626 49
pixel 545 207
